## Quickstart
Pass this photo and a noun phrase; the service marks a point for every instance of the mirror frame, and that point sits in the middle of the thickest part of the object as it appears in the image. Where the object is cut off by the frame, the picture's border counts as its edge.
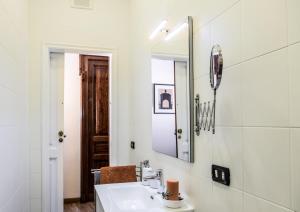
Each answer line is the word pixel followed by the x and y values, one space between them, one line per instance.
pixel 191 90
pixel 191 98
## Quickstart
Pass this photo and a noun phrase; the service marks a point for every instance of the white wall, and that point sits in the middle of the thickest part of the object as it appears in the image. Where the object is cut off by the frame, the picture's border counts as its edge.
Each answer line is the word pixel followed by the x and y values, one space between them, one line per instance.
pixel 258 115
pixel 105 26
pixel 14 145
pixel 72 126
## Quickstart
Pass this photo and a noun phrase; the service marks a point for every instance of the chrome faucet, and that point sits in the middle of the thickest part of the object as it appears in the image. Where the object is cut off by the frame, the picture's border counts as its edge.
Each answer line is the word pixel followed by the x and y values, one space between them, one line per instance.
pixel 160 178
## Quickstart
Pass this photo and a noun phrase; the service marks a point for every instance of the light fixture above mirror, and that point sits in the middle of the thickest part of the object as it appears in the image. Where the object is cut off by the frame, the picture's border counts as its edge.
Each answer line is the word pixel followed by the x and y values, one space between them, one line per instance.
pixel 169 32
pixel 158 29
pixel 175 31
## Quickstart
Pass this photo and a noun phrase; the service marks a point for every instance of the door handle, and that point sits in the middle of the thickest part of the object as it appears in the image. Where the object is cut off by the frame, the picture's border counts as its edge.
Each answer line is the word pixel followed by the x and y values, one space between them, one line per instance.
pixel 61 136
pixel 179 131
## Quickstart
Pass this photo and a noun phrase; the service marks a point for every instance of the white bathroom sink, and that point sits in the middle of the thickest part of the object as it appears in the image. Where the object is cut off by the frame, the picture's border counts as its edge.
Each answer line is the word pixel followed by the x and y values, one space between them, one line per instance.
pixel 132 197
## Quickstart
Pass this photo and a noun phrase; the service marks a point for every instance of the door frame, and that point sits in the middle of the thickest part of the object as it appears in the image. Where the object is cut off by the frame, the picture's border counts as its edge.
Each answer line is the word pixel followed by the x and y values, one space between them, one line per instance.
pixel 46 105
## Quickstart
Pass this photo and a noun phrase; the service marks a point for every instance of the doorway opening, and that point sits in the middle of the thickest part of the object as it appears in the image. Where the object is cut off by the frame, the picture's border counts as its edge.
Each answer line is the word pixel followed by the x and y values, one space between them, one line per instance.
pixel 77 125
pixel 85 133
pixel 94 71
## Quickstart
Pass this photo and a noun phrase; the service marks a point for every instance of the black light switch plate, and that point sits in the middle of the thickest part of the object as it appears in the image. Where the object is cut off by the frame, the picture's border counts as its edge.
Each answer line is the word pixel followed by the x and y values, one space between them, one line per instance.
pixel 132 145
pixel 220 174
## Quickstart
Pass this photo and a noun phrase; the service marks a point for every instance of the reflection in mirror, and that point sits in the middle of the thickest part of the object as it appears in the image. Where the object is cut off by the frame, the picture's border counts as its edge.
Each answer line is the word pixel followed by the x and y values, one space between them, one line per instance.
pixel 172 79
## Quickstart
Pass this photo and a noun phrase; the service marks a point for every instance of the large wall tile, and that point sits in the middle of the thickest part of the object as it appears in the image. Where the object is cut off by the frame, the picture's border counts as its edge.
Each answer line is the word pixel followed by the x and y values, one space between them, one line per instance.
pixel 11 40
pixel 8 71
pixel 202 197
pixel 226 199
pixel 267 164
pixel 228 152
pixel 254 204
pixel 293 20
pixel 229 98
pixel 9 109
pixel 203 155
pixel 294 70
pixel 226 31
pixel 295 148
pixel 202 48
pixel 14 154
pixel 265 90
pixel 204 89
pixel 264 26
pixel 210 9
pixel 8 163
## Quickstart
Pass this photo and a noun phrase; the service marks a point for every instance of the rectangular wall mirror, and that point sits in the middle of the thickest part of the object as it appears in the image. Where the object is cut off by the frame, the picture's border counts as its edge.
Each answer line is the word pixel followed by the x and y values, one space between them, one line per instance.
pixel 173 91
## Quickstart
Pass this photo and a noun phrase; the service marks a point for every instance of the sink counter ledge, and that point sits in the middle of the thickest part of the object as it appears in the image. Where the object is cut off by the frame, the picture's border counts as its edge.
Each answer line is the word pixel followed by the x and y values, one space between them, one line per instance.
pixel 133 197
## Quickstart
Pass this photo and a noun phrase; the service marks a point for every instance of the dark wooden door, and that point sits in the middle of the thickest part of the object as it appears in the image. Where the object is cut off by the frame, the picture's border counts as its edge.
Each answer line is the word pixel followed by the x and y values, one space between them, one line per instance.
pixel 95 120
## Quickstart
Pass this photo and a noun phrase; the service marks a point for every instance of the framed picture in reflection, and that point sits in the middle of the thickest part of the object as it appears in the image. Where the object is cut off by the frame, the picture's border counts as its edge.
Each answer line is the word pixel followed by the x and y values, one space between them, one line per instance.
pixel 164 98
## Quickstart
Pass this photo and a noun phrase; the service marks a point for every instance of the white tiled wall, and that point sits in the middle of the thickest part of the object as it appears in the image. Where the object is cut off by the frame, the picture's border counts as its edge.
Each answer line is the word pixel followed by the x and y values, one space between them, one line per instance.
pixel 295 157
pixel 267 164
pixel 264 26
pixel 258 103
pixel 293 25
pixel 14 146
pixel 265 88
pixel 228 149
pixel 258 115
pixel 226 199
pixel 252 203
pixel 294 67
pixel 226 31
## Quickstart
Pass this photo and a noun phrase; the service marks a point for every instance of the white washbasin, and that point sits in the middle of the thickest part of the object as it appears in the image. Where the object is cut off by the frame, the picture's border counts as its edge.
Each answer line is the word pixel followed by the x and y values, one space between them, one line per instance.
pixel 132 197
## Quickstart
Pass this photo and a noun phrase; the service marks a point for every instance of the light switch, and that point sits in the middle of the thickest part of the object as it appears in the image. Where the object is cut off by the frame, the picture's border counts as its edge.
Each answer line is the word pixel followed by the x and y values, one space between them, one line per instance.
pixel 220 174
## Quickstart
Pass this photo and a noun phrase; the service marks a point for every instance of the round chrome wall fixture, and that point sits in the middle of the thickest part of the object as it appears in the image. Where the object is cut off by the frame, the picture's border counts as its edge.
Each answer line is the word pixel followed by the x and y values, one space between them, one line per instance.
pixel 216 69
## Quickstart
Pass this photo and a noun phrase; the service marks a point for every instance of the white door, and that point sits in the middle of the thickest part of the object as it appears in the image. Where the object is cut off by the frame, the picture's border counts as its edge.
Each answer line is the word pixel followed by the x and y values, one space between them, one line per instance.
pixel 55 147
pixel 182 109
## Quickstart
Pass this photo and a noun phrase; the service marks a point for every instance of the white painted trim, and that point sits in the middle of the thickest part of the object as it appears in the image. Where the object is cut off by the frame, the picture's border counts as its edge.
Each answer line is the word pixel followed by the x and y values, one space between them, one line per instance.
pixel 45 105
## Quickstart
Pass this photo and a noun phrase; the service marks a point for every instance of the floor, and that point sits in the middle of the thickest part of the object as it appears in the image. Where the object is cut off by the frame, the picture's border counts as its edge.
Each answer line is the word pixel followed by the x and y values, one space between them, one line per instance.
pixel 79 207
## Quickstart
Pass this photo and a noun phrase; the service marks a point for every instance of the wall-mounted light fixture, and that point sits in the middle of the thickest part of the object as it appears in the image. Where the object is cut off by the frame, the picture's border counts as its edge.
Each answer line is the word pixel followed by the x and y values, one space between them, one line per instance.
pixel 176 30
pixel 158 29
